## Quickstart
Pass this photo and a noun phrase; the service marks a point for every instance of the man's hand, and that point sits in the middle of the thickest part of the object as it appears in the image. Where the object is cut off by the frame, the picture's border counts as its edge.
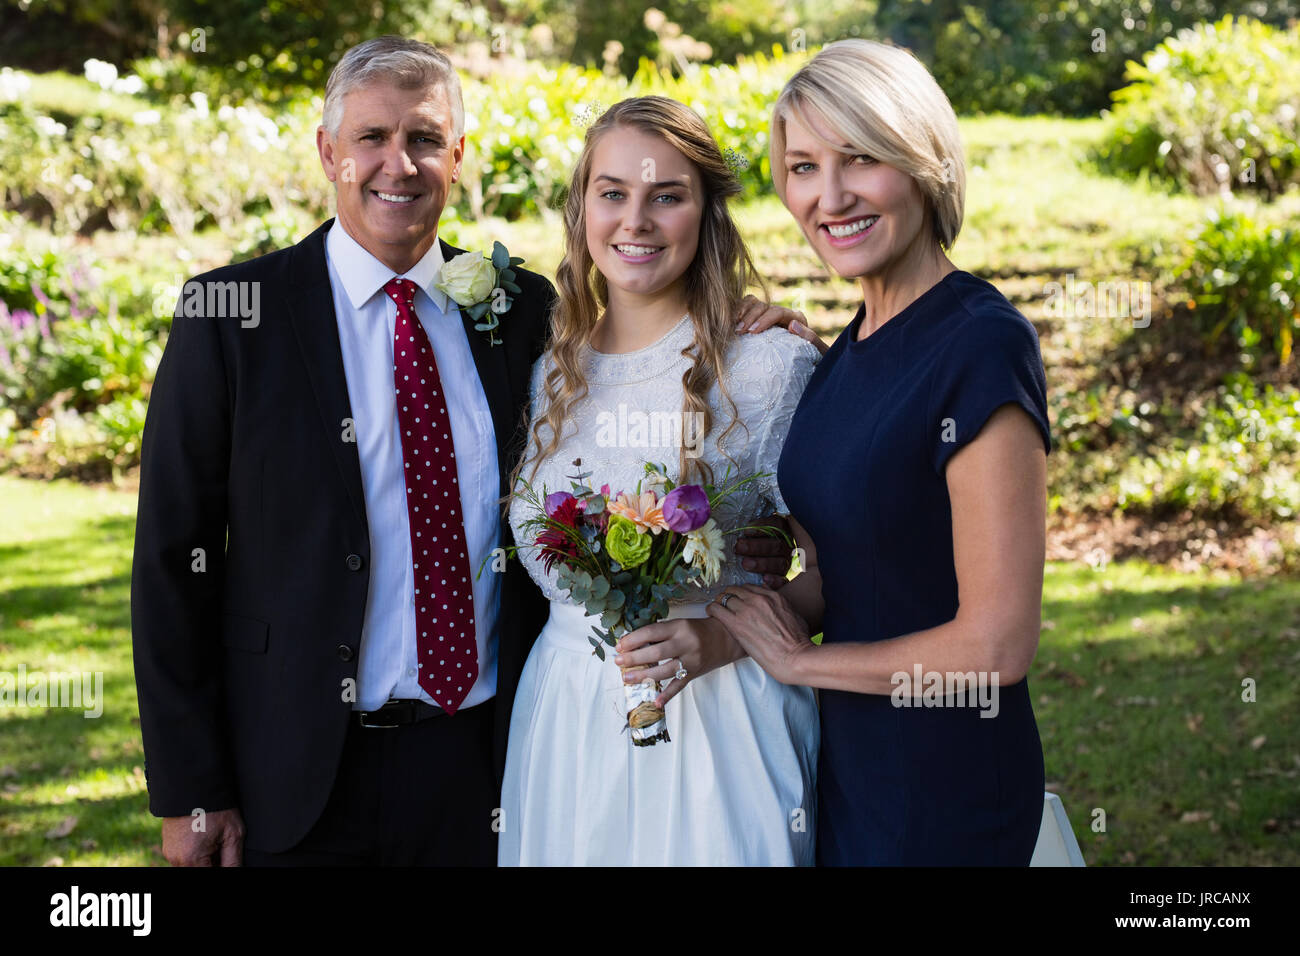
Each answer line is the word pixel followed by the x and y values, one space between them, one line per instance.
pixel 765 554
pixel 220 843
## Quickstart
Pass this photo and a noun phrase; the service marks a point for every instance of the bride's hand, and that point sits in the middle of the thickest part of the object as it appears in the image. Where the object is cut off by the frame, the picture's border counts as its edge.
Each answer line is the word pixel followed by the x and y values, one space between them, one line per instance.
pixel 758 316
pixel 697 643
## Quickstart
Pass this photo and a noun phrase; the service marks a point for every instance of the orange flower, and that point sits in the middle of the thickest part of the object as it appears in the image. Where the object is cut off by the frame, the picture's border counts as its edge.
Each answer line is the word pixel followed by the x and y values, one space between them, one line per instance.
pixel 645 512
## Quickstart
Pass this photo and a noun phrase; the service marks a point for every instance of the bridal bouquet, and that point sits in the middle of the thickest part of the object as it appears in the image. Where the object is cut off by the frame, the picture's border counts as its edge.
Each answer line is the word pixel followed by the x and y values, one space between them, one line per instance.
pixel 624 556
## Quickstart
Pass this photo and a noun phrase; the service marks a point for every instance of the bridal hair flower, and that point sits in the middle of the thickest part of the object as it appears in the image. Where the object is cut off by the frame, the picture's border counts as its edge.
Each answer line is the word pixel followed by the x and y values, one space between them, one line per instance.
pixel 480 285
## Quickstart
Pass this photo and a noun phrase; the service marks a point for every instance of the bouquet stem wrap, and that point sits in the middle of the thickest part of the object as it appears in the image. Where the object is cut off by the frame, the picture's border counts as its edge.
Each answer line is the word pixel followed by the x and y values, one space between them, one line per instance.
pixel 648 723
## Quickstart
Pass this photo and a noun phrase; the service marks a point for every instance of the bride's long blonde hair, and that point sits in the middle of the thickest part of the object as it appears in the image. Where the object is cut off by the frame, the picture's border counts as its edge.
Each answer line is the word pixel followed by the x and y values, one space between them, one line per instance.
pixel 716 279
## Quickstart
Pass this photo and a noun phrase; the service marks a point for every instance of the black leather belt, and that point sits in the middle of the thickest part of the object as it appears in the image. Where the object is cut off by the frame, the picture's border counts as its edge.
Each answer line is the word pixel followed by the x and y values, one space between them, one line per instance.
pixel 398 713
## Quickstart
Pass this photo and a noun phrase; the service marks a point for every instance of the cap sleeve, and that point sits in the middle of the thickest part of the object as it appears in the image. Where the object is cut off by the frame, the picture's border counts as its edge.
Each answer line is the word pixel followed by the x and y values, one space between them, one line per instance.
pixel 800 362
pixel 995 361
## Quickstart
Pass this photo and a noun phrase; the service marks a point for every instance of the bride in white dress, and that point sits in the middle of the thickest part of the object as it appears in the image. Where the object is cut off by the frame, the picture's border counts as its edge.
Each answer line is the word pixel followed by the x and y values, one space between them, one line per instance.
pixel 646 219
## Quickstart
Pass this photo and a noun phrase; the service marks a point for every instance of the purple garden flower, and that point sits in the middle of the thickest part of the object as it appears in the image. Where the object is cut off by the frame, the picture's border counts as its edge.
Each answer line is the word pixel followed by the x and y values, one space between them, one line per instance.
pixel 41 296
pixel 555 501
pixel 686 508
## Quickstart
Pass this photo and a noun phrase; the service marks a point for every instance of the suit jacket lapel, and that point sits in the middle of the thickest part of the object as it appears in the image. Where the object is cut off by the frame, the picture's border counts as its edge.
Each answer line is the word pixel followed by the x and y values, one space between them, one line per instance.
pixel 310 302
pixel 494 374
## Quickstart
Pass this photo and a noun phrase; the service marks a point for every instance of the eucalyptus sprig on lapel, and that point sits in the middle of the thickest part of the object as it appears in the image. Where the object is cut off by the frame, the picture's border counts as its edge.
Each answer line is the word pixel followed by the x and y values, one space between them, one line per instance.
pixel 482 286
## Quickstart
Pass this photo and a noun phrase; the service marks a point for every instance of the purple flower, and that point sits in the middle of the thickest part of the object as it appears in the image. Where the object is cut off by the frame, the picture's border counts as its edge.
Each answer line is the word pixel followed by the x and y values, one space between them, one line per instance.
pixel 556 501
pixel 686 508
pixel 41 296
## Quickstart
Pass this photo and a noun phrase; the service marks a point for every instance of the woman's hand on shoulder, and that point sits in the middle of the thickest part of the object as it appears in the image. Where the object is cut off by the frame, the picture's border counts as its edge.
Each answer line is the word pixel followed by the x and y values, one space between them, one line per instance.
pixel 759 316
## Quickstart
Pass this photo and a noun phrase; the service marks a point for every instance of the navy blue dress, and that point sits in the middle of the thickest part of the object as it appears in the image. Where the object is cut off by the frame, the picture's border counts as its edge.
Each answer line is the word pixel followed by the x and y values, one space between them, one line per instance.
pixel 863 471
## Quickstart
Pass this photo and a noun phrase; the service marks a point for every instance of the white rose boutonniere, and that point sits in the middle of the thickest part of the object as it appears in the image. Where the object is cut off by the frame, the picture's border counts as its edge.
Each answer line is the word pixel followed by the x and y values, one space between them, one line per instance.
pixel 481 286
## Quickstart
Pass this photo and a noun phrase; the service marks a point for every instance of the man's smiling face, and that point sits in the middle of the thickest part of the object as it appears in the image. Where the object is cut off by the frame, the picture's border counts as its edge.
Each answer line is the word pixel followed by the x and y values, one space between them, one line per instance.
pixel 392 163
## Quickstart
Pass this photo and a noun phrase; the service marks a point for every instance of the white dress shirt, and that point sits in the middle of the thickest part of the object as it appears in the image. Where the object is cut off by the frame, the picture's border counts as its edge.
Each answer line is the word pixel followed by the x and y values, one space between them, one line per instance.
pixel 366 322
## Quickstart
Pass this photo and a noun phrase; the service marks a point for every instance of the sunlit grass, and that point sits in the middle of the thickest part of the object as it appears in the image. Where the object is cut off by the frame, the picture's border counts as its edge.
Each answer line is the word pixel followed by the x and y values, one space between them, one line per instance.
pixel 65 560
pixel 1138 689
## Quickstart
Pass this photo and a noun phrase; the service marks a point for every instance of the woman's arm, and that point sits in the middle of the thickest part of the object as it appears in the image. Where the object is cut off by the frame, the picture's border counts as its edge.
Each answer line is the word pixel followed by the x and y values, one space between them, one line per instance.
pixel 997 488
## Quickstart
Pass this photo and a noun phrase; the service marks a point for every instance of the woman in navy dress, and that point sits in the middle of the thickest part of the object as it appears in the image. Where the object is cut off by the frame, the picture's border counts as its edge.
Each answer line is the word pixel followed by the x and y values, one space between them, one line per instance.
pixel 915 474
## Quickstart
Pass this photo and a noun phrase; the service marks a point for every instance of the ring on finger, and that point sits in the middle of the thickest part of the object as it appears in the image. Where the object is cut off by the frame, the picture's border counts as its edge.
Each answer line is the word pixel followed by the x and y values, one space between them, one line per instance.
pixel 681 670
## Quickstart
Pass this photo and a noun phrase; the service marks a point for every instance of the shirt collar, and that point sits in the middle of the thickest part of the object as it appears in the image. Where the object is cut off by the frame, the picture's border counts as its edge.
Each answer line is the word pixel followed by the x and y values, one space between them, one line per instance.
pixel 363 275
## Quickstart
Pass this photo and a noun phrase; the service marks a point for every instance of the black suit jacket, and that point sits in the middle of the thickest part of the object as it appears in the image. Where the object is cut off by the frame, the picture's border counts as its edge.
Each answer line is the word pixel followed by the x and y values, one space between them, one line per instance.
pixel 242 649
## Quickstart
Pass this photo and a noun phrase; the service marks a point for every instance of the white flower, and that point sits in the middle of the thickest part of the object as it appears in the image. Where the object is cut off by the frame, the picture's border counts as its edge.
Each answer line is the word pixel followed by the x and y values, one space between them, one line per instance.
pixel 129 85
pixel 100 73
pixel 704 550
pixel 48 126
pixel 13 85
pixel 147 118
pixel 468 278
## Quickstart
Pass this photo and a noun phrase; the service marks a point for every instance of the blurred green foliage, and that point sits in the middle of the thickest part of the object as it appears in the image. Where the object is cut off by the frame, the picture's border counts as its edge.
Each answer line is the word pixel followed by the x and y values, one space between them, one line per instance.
pixel 1215 109
pixel 1034 56
pixel 75 371
pixel 1237 456
pixel 1244 278
pixel 183 163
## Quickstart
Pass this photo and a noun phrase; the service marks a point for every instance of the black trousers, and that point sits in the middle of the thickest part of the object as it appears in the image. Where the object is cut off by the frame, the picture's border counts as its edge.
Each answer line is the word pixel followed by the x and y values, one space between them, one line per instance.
pixel 422 794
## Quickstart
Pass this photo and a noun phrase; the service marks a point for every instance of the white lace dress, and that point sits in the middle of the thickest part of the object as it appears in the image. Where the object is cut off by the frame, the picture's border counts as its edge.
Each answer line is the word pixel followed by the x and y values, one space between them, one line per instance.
pixel 736 783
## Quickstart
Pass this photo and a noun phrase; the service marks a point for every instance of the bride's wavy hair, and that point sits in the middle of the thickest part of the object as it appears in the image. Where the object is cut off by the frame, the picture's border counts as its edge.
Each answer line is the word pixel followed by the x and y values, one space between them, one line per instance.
pixel 716 279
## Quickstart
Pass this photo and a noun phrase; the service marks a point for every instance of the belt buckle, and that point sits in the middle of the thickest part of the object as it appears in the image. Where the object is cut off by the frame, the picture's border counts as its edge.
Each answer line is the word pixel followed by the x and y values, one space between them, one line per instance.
pixel 363 715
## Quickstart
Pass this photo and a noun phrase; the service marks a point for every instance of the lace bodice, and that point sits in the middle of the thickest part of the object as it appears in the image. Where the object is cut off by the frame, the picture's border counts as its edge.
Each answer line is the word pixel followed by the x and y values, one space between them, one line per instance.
pixel 633 414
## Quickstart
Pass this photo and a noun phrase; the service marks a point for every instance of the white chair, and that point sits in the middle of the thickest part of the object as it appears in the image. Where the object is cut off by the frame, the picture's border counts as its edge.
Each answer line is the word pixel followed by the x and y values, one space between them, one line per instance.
pixel 1056 843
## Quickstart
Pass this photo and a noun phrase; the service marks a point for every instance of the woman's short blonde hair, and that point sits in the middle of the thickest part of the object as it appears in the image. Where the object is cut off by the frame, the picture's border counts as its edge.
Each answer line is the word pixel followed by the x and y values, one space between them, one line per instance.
pixel 882 101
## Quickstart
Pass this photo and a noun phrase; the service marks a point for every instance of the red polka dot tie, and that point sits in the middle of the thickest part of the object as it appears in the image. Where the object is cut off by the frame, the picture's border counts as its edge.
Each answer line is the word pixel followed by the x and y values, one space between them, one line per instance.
pixel 444 597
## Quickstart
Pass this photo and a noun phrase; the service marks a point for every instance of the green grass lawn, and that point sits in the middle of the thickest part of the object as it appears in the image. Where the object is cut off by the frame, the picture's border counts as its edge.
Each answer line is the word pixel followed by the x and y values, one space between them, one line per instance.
pixel 1137 687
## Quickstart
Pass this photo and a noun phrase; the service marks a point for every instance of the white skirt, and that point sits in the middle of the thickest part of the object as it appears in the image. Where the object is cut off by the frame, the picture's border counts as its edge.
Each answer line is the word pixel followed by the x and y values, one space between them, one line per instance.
pixel 734 786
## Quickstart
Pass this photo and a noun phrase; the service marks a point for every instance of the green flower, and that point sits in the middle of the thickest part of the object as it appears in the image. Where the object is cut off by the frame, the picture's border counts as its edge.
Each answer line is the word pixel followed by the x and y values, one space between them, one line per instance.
pixel 626 544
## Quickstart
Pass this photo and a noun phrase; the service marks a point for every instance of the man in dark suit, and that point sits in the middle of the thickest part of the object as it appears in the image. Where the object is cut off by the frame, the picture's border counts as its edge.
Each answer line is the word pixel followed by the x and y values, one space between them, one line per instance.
pixel 297 701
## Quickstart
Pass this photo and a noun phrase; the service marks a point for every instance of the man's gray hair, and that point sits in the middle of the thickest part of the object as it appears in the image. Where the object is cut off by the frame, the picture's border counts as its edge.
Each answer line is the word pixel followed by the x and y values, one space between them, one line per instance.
pixel 407 64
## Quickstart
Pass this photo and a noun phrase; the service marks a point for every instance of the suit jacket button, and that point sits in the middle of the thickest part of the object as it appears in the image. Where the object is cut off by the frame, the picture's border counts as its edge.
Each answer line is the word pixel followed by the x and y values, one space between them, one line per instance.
pixel 345 652
pixel 354 562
